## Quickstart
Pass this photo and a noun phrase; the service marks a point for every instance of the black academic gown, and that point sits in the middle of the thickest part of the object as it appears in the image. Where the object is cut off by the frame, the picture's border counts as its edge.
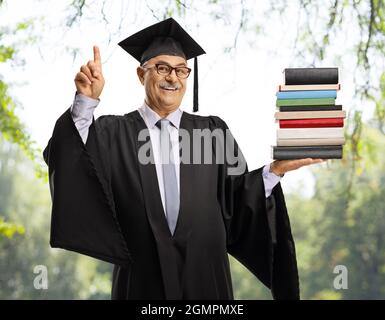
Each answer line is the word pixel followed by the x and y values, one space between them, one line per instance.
pixel 107 205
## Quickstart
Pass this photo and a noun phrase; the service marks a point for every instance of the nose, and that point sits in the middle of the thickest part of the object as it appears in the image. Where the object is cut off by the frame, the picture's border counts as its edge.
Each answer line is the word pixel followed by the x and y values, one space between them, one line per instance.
pixel 172 76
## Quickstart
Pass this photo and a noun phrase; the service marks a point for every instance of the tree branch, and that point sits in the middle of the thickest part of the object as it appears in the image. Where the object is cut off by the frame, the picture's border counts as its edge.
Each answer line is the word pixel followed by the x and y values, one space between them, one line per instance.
pixel 78 5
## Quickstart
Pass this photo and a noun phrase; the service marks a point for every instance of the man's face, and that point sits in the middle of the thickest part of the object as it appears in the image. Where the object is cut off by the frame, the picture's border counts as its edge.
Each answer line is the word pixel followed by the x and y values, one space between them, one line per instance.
pixel 164 92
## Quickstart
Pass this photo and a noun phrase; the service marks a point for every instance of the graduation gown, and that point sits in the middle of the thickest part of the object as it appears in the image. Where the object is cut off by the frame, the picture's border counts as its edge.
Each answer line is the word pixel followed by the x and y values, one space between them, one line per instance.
pixel 107 205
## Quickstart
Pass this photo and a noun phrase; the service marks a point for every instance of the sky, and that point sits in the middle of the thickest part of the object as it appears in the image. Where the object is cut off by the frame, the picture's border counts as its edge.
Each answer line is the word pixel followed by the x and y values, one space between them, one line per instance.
pixel 239 86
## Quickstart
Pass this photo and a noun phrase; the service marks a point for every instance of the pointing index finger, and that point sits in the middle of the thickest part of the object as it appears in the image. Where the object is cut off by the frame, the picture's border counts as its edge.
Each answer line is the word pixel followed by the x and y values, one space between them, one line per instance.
pixel 97 58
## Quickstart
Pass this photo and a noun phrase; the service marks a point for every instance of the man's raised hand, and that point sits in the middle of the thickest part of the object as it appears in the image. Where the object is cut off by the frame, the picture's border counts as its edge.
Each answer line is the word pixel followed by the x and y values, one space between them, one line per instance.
pixel 89 80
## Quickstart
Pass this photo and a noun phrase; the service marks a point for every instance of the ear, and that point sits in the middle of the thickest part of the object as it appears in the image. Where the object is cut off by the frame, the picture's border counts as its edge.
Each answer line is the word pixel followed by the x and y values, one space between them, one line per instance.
pixel 140 73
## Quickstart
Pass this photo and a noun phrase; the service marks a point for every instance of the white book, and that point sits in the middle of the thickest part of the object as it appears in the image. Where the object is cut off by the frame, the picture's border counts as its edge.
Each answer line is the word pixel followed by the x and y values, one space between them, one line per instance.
pixel 310 142
pixel 310 133
pixel 284 87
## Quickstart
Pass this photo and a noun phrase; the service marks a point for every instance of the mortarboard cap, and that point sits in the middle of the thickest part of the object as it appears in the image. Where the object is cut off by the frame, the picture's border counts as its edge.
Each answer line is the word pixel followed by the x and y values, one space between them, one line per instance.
pixel 165 37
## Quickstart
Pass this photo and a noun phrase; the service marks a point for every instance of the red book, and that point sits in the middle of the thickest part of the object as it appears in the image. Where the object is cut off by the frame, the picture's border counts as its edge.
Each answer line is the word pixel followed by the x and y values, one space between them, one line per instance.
pixel 312 123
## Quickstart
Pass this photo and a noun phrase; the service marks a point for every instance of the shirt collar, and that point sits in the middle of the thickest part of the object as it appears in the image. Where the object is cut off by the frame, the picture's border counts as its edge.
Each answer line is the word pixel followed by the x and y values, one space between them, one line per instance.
pixel 151 117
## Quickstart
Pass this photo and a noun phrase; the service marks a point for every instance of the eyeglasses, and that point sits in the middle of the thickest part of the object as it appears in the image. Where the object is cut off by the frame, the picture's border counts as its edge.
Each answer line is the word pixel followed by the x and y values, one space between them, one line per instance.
pixel 165 70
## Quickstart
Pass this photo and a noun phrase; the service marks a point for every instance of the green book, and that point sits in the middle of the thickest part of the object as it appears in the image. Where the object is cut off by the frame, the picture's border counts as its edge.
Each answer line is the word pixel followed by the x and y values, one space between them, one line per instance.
pixel 305 102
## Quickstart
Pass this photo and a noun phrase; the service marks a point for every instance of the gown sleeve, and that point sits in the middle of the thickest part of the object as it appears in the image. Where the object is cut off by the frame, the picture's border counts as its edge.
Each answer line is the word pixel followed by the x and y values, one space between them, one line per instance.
pixel 258 228
pixel 83 213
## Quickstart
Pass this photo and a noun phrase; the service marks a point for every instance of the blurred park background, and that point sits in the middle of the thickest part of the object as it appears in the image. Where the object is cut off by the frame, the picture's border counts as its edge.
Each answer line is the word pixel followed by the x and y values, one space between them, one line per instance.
pixel 337 209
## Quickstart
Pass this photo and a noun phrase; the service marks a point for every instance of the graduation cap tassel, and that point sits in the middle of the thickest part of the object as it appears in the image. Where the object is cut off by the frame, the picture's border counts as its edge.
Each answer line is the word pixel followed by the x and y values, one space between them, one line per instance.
pixel 195 98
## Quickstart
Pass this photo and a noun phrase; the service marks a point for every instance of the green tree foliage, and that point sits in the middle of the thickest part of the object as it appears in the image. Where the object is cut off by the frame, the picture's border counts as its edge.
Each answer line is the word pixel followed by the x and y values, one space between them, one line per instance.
pixel 9 229
pixel 11 128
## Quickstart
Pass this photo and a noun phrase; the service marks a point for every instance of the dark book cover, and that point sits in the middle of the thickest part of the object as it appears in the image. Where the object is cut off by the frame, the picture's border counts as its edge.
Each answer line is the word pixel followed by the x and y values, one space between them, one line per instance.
pixel 315 152
pixel 312 108
pixel 298 76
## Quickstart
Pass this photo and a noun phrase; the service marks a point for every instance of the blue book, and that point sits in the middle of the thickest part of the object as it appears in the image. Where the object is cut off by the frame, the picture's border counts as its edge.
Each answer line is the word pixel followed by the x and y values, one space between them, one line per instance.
pixel 309 94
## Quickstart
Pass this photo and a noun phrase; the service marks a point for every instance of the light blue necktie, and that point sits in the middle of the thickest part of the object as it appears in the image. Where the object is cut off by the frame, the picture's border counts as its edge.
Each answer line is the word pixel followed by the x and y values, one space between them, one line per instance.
pixel 169 175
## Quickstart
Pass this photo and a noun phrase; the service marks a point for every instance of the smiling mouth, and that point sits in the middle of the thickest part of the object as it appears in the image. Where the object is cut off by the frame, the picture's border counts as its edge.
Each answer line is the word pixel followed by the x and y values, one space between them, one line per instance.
pixel 169 88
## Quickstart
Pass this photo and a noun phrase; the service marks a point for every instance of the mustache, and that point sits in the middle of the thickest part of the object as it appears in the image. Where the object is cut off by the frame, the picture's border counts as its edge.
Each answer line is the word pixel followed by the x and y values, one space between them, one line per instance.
pixel 167 84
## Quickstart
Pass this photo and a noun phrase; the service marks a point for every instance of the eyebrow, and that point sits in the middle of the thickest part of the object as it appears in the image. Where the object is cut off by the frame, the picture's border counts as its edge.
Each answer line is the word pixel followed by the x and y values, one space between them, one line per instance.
pixel 184 64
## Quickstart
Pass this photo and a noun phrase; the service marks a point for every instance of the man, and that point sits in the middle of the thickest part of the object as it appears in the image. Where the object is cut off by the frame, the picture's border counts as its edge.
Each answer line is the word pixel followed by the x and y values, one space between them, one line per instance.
pixel 167 226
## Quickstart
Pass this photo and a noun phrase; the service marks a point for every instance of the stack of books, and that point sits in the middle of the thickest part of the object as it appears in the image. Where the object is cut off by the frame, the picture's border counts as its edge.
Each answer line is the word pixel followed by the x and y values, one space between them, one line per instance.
pixel 310 123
